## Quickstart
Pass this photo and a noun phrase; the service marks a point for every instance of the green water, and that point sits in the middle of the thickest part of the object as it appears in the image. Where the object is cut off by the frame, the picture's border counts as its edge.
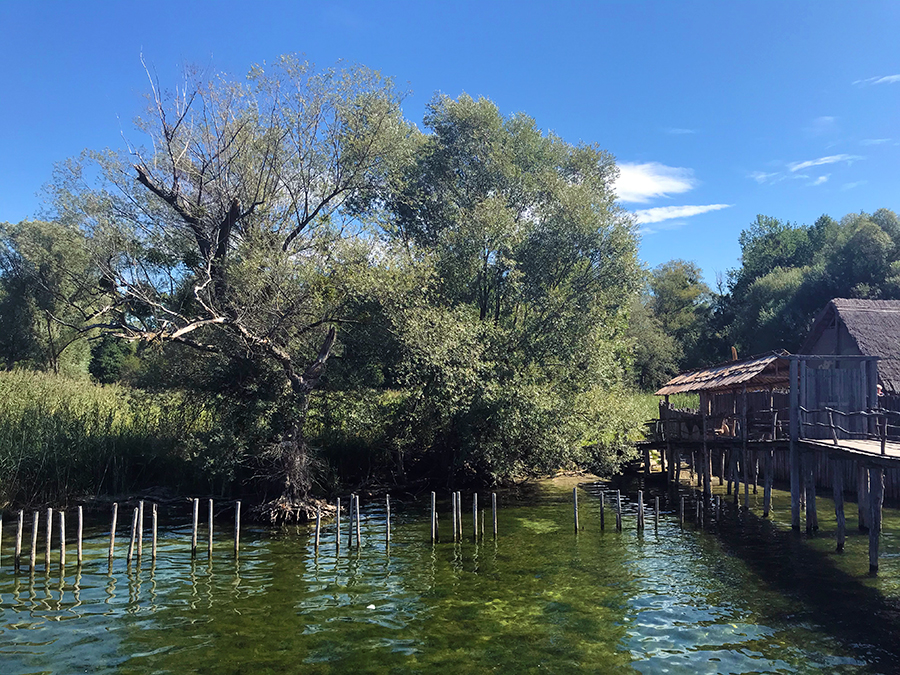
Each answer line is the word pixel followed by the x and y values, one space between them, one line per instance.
pixel 743 595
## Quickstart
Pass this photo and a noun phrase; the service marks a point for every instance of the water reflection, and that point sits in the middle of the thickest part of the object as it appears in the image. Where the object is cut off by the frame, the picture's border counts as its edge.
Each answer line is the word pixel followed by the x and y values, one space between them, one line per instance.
pixel 738 595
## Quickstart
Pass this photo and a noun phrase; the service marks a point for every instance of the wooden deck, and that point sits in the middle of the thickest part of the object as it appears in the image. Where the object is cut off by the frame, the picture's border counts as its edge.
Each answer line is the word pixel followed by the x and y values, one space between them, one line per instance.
pixel 855 449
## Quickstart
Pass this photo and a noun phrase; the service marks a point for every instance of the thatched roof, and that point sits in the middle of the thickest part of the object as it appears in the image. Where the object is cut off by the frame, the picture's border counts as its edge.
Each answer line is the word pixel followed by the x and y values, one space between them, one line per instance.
pixel 758 372
pixel 874 325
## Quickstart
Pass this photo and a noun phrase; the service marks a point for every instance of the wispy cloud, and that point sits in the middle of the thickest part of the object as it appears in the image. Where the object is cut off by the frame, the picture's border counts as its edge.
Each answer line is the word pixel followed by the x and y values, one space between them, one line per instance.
pixel 822 126
pixel 679 132
pixel 821 179
pixel 831 159
pixel 661 213
pixel 665 226
pixel 639 183
pixel 855 184
pixel 762 177
pixel 874 141
pixel 878 79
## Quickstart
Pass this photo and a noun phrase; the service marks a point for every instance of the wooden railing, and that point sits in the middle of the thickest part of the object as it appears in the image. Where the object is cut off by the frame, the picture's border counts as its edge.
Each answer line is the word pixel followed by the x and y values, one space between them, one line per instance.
pixel 883 429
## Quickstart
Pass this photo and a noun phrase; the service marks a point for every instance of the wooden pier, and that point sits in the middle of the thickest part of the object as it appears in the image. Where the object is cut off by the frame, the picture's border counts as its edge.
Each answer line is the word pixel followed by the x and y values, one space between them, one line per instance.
pixel 813 421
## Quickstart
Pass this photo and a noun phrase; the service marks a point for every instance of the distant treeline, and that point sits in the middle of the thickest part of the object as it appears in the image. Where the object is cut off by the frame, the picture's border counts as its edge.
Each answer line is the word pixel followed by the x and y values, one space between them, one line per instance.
pixel 787 273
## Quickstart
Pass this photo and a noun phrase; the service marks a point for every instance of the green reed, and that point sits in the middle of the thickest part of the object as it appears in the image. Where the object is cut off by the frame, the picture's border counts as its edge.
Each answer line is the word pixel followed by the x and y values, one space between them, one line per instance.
pixel 62 438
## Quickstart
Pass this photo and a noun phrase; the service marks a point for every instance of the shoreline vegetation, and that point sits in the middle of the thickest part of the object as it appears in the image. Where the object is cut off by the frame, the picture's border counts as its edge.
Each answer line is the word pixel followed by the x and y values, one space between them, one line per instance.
pixel 66 441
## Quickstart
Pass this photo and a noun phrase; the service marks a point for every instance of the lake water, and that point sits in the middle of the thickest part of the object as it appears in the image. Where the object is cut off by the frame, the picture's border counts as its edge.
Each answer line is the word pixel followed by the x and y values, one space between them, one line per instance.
pixel 741 596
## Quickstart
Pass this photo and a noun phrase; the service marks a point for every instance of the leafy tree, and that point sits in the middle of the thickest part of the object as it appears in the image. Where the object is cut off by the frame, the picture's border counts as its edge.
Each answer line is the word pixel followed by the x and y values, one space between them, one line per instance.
pixel 534 269
pixel 231 235
pixel 49 289
pixel 656 352
pixel 788 273
pixel 680 301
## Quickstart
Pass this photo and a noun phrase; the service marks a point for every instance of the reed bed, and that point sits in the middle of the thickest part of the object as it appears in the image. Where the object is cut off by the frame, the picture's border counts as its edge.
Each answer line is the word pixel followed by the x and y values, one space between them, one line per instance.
pixel 61 438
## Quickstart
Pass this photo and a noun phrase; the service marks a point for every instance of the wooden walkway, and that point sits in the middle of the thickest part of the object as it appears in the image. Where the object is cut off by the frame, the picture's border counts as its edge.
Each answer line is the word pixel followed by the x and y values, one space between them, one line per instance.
pixel 856 449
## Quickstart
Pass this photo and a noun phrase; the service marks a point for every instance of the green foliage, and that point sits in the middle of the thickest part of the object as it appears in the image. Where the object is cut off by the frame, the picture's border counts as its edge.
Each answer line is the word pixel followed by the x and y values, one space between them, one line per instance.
pixel 789 272
pixel 534 269
pixel 63 438
pixel 49 286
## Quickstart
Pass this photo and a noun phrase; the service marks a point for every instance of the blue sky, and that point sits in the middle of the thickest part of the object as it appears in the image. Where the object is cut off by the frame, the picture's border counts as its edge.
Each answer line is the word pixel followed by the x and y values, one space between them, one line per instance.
pixel 715 111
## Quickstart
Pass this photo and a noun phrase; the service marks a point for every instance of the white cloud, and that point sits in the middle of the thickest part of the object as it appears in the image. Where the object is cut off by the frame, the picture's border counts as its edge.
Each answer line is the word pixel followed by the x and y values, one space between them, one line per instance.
pixel 680 132
pixel 661 213
pixel 887 79
pixel 639 183
pixel 831 159
pixel 822 126
pixel 821 179
pixel 874 141
pixel 762 177
pixel 855 184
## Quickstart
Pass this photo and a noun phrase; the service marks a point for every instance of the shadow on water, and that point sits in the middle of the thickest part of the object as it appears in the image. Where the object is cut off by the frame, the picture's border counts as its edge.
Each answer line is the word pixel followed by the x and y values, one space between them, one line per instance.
pixel 847 606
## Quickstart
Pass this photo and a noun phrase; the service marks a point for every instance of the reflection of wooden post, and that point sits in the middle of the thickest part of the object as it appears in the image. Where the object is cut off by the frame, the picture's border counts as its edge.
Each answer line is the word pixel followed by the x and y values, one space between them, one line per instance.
pixel 794 449
pixel 876 497
pixel 838 494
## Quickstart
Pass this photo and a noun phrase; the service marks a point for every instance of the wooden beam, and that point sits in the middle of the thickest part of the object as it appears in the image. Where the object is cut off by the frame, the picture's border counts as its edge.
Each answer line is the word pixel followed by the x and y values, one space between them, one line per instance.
pixel 876 498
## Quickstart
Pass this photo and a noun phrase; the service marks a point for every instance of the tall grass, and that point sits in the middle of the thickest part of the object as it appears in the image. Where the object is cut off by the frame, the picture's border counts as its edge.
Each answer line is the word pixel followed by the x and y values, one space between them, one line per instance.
pixel 63 438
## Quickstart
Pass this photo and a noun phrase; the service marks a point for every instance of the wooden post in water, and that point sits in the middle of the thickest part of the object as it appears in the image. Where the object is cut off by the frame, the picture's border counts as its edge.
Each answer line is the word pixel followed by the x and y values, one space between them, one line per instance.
pixel 618 511
pixel 140 530
pixel 48 539
pixel 876 497
pixel 721 471
pixel 838 494
pixel 602 512
pixel 656 513
pixel 640 511
pixel 34 539
pixel 754 468
pixel 337 525
pixel 350 522
pixel 731 470
pixel 112 530
pixel 433 521
pixel 134 521
pixel 387 520
pixel 209 541
pixel 62 539
pixel 475 515
pixel 494 511
pixel 575 502
pixel 795 438
pixel 767 482
pixel 237 527
pixel 196 519
pixel 358 527
pixel 453 508
pixel 79 552
pixel 153 524
pixel 808 463
pixel 318 525
pixel 17 560
pixel 681 513
pixel 862 495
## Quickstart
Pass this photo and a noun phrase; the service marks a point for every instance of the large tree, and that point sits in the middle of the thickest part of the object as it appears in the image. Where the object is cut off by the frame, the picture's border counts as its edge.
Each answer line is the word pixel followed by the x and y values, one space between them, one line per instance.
pixel 227 231
pixel 522 329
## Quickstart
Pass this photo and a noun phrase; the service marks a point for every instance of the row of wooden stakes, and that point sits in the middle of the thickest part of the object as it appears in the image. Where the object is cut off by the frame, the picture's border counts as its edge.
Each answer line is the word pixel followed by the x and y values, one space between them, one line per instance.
pixel 136 541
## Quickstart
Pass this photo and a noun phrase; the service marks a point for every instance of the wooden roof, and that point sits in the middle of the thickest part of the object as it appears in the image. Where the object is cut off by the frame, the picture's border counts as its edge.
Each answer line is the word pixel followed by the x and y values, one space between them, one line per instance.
pixel 874 325
pixel 759 372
